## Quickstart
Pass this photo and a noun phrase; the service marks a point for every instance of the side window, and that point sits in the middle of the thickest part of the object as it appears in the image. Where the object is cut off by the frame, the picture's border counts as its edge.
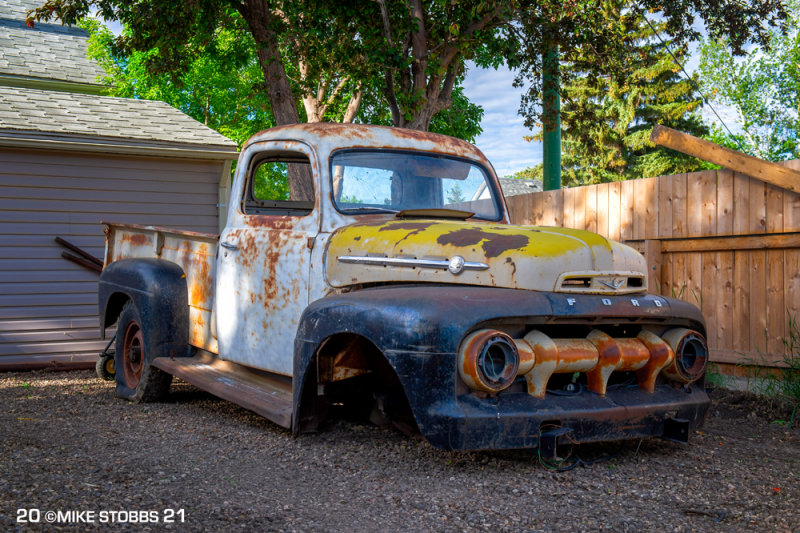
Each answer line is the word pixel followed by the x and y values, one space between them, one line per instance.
pixel 268 190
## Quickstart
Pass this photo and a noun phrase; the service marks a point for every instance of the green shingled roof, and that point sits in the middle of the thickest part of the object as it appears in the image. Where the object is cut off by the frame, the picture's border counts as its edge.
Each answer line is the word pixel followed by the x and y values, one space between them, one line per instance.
pixel 49 89
pixel 16 9
pixel 44 52
pixel 35 111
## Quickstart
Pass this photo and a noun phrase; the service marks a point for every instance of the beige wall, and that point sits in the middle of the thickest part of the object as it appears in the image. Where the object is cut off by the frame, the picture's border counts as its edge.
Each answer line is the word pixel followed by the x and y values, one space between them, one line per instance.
pixel 48 305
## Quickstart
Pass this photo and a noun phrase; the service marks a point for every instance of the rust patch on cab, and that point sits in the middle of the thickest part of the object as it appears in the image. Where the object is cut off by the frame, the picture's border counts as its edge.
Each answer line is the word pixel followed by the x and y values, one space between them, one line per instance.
pixel 270 222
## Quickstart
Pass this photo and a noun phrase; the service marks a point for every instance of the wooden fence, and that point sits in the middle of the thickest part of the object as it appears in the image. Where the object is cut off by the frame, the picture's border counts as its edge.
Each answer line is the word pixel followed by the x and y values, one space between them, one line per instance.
pixel 724 241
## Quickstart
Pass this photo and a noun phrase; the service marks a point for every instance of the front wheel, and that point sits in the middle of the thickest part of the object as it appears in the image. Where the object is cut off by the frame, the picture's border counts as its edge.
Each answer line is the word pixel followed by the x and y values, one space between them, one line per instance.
pixel 137 380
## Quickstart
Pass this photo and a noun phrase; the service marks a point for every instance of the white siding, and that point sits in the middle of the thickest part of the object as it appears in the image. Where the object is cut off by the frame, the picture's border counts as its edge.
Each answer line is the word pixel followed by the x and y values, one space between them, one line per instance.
pixel 48 305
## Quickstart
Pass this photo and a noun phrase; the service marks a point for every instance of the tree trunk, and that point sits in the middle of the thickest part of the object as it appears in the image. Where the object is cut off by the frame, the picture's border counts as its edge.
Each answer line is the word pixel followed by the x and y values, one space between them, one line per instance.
pixel 439 93
pixel 261 20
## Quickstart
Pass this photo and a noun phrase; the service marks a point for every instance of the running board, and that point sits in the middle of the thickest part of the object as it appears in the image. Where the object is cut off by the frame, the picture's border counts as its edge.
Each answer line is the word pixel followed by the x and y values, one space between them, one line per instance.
pixel 261 392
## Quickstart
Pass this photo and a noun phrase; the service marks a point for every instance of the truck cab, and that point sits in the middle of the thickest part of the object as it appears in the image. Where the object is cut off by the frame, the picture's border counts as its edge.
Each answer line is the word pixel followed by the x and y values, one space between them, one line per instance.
pixel 376 267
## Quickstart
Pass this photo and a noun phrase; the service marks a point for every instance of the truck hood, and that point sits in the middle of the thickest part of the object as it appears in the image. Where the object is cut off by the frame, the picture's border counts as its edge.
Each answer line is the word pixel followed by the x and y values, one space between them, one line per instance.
pixel 495 255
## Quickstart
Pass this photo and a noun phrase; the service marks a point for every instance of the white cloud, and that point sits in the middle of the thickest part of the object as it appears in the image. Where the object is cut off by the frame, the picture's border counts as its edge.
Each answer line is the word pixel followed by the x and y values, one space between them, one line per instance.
pixel 503 130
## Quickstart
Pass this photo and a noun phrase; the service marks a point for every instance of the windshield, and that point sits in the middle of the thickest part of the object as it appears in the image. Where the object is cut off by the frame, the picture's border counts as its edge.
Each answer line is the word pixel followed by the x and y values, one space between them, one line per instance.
pixel 382 181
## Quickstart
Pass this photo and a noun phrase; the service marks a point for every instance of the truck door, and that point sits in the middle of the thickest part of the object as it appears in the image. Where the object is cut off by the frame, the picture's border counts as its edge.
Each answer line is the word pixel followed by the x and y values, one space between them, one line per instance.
pixel 264 258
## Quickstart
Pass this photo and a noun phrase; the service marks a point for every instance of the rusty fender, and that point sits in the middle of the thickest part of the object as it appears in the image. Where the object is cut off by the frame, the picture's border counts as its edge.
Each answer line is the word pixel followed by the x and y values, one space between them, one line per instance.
pixel 419 330
pixel 159 291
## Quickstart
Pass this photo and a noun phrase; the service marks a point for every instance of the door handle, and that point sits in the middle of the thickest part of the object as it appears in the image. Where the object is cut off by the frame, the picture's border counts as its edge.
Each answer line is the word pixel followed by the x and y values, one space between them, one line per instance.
pixel 228 245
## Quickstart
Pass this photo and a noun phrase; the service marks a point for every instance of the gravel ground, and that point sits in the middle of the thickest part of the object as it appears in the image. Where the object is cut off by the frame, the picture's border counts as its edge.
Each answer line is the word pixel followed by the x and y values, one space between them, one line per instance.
pixel 68 444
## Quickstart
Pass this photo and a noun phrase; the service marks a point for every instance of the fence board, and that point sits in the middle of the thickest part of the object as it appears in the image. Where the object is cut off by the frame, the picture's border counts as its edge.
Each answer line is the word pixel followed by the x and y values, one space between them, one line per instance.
pixel 602 209
pixel 774 209
pixel 649 196
pixel 776 308
pixel 708 196
pixel 694 278
pixel 579 199
pixel 553 208
pixel 724 302
pixel 724 202
pixel 569 207
pixel 791 211
pixel 758 207
pixel 741 301
pixel 741 202
pixel 536 220
pixel 758 302
pixel 791 278
pixel 679 205
pixel 664 211
pixel 694 191
pixel 710 277
pixel 614 214
pixel 590 223
pixel 679 276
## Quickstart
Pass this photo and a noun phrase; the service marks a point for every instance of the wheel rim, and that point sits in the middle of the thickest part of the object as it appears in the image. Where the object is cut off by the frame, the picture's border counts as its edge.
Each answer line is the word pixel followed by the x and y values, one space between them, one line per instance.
pixel 109 366
pixel 132 355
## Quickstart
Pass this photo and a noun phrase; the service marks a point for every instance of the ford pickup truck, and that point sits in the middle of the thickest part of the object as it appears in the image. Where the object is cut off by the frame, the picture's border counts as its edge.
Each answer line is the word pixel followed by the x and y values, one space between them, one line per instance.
pixel 393 286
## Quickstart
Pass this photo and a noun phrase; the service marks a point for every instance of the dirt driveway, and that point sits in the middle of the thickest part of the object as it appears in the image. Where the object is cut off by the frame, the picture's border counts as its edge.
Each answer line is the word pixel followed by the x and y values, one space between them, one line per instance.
pixel 70 446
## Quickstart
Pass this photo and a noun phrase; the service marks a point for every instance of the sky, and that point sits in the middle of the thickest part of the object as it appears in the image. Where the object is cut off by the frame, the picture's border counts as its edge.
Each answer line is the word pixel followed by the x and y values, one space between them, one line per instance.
pixel 503 130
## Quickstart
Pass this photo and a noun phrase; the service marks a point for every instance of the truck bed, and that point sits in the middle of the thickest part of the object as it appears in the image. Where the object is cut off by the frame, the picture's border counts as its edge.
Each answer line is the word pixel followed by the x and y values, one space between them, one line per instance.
pixel 194 252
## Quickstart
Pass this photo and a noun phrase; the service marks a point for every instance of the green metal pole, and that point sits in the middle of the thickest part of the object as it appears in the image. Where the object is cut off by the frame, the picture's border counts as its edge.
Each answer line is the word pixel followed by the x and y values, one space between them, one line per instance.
pixel 551 105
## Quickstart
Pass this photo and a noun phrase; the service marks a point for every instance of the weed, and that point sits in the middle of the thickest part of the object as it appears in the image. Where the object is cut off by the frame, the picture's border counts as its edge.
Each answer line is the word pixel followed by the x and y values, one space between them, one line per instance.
pixel 783 383
pixel 26 385
pixel 715 378
pixel 678 295
pixel 698 296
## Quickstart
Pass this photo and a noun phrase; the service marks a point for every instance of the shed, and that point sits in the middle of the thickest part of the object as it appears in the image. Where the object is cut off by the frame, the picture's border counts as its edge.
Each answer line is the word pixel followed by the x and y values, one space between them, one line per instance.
pixel 69 158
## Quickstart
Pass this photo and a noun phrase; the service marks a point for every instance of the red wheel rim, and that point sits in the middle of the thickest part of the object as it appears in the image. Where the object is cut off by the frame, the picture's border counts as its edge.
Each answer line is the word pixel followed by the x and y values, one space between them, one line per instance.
pixel 132 355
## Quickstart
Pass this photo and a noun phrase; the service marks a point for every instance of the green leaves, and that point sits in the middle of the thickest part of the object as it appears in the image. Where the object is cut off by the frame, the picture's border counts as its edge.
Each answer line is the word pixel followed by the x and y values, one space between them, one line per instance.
pixel 599 36
pixel 763 89
pixel 220 87
pixel 607 117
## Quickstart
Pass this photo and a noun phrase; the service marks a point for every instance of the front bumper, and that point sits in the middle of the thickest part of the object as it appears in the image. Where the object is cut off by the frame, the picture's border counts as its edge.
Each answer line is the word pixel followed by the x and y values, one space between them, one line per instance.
pixel 518 421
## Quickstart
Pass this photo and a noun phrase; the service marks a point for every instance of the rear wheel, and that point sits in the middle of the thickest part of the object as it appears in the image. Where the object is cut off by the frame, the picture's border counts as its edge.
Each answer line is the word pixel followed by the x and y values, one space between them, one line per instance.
pixel 137 379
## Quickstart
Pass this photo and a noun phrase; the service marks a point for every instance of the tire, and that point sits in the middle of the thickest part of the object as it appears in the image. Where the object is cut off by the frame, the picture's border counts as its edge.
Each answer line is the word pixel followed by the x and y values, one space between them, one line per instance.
pixel 137 380
pixel 104 367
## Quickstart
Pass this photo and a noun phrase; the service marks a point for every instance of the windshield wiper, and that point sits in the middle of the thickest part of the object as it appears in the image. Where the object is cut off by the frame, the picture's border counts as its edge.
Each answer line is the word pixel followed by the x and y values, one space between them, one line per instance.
pixel 368 208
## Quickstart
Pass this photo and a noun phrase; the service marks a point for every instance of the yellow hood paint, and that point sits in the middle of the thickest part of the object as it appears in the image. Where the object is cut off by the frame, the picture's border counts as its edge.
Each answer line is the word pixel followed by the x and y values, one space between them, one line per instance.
pixel 524 257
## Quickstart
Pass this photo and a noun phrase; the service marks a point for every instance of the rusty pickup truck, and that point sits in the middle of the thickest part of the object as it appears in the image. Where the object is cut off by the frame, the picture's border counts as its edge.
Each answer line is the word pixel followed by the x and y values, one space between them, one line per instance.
pixel 399 291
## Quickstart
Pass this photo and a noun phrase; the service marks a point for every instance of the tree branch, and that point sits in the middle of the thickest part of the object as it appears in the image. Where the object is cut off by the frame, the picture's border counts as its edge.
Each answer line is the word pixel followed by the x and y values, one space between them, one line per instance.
pixel 337 90
pixel 388 89
pixel 445 96
pixel 452 51
pixel 352 107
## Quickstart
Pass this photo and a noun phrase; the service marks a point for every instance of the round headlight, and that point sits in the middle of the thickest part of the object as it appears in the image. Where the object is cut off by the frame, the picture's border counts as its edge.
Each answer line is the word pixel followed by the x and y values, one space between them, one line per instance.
pixel 488 360
pixel 691 355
